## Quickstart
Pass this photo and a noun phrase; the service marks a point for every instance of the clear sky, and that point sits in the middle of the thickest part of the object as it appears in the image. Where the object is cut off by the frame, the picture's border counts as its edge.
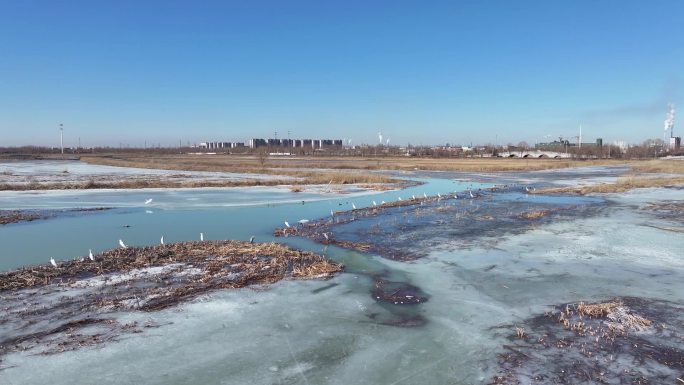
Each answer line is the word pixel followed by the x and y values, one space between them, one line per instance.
pixel 421 72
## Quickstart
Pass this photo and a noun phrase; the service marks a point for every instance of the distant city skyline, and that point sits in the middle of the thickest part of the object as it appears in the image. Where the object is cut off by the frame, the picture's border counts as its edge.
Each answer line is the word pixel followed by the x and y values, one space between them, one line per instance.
pixel 456 72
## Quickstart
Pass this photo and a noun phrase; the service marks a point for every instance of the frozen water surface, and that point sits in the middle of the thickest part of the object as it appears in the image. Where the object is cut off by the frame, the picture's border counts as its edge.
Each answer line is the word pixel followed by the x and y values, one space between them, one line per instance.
pixel 481 278
pixel 64 171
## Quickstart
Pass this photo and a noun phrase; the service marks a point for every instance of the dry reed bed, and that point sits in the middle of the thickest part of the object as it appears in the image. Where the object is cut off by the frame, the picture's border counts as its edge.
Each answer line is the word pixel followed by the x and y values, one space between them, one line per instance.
pixel 14 216
pixel 55 309
pixel 627 340
pixel 243 163
pixel 623 184
pixel 248 262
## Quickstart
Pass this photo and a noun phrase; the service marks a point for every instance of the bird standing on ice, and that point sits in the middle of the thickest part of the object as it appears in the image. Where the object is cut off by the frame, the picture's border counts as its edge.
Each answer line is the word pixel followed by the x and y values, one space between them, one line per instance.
pixel 353 206
pixel 202 237
pixel 162 240
pixel 148 201
pixel 52 261
pixel 287 225
pixel 123 245
pixel 90 255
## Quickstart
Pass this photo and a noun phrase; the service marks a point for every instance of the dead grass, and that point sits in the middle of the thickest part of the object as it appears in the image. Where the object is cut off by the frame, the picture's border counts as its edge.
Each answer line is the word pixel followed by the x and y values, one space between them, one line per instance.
pixel 254 262
pixel 623 184
pixel 244 163
pixel 534 214
pixel 597 310
pixel 659 166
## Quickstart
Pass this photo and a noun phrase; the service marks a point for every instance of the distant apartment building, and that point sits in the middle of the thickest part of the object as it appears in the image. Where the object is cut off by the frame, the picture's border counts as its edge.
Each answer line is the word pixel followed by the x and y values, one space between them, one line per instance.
pixel 296 143
pixel 220 145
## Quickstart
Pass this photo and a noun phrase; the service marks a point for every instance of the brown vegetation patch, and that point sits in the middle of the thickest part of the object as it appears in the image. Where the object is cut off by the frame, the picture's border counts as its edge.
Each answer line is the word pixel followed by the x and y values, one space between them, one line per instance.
pixel 622 185
pixel 136 278
pixel 534 214
pixel 14 216
pixel 627 340
pixel 252 262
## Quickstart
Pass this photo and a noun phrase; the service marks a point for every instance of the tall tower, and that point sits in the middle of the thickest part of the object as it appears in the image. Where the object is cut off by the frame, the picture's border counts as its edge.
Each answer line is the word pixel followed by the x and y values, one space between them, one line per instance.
pixel 668 125
pixel 61 137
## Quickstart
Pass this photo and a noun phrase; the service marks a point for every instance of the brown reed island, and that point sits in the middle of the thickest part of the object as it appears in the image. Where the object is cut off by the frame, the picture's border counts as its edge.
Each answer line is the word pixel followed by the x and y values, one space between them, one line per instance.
pixel 16 216
pixel 56 308
pixel 625 340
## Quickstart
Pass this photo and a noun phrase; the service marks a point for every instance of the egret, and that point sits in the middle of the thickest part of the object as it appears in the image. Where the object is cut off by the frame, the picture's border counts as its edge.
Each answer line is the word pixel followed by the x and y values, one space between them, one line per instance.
pixel 303 221
pixel 123 245
pixel 471 193
pixel 148 201
pixel 332 214
pixel 374 204
pixel 399 199
pixel 527 189
pixel 201 236
pixel 439 195
pixel 90 255
pixel 52 261
pixel 382 203
pixel 149 212
pixel 353 206
pixel 326 236
pixel 287 225
pixel 425 195
pixel 251 239
pixel 413 197
pixel 162 240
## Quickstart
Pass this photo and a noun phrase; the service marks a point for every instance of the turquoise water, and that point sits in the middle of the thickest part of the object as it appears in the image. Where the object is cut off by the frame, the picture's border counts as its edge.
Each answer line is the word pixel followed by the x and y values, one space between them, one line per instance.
pixel 178 215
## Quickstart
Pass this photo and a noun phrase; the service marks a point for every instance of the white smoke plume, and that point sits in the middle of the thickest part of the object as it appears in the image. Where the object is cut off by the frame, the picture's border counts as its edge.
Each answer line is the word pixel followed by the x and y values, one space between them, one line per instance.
pixel 380 137
pixel 669 120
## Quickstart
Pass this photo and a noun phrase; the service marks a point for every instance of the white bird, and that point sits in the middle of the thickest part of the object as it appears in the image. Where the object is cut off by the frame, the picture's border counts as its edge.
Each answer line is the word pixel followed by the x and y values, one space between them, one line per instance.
pixel 471 193
pixel 400 198
pixel 90 255
pixel 332 213
pixel 374 204
pixel 148 201
pixel 161 240
pixel 52 261
pixel 201 236
pixel 527 189
pixel 455 196
pixel 326 236
pixel 439 195
pixel 123 245
pixel 353 206
pixel 425 195
pixel 251 239
pixel 413 197
pixel 149 212
pixel 382 203
pixel 303 221
pixel 287 225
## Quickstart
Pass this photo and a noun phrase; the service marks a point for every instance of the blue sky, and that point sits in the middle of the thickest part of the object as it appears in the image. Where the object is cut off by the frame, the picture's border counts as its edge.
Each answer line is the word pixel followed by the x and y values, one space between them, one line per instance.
pixel 420 72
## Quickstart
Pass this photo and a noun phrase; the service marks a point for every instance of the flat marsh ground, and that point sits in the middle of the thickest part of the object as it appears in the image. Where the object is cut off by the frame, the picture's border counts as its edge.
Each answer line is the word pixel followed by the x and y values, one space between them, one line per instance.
pixel 295 164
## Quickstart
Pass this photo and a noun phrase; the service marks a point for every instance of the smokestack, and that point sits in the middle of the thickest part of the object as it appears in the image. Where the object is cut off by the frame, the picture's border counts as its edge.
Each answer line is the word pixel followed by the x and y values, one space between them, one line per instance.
pixel 668 125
